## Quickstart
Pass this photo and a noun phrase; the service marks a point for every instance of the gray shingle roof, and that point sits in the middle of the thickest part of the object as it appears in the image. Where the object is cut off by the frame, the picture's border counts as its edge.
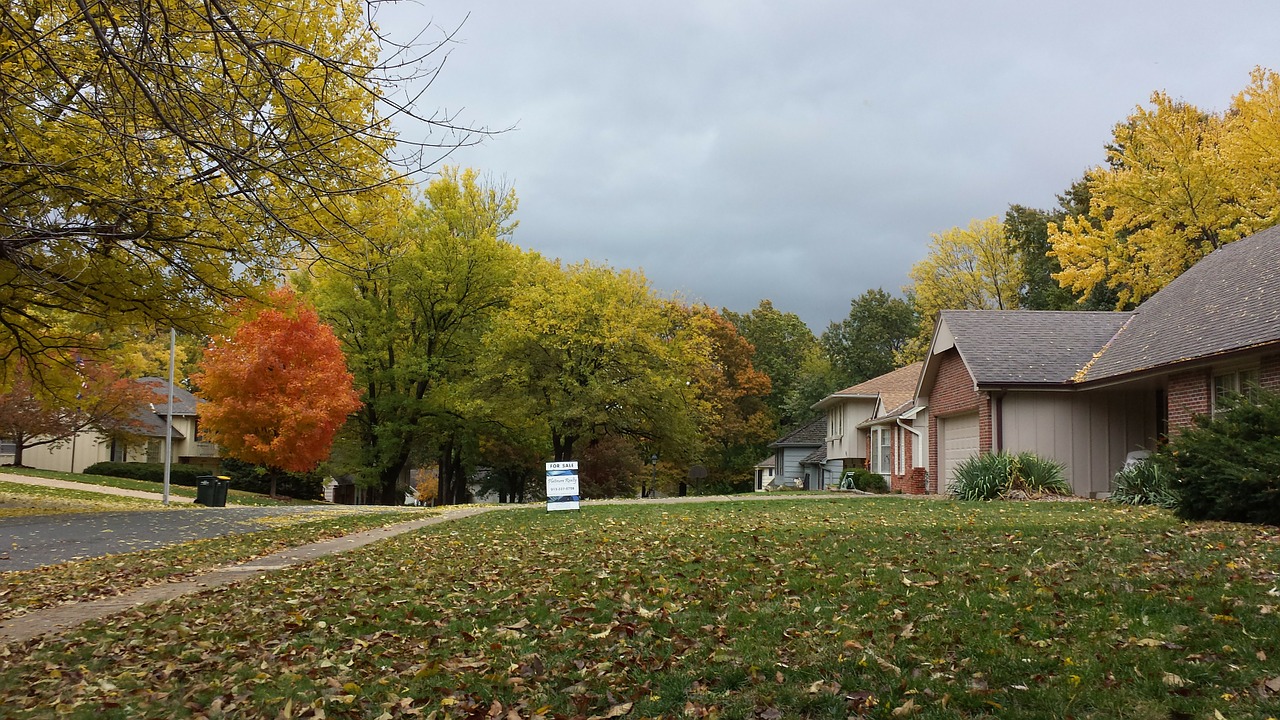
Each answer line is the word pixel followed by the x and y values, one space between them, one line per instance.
pixel 1230 300
pixel 810 434
pixel 817 456
pixel 1029 346
pixel 184 403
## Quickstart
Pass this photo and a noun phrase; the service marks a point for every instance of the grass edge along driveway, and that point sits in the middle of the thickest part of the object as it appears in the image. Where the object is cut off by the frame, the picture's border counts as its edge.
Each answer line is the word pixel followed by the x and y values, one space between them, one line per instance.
pixel 880 607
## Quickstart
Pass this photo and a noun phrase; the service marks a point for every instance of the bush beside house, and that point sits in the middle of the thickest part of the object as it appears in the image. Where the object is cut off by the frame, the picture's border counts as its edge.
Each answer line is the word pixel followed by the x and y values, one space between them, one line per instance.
pixel 1227 466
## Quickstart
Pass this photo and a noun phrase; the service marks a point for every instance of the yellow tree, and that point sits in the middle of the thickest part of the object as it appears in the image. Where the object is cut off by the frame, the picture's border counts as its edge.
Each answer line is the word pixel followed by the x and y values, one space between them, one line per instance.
pixel 160 156
pixel 973 268
pixel 591 352
pixel 1180 182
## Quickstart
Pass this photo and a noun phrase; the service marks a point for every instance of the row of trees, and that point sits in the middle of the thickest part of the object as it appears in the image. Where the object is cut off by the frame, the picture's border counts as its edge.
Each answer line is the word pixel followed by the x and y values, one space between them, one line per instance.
pixel 471 351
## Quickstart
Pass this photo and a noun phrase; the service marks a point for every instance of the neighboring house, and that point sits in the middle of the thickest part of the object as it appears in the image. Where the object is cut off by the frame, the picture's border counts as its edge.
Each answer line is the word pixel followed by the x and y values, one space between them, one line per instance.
pixel 1089 388
pixel 897 446
pixel 877 425
pixel 801 458
pixel 86 448
pixel 764 471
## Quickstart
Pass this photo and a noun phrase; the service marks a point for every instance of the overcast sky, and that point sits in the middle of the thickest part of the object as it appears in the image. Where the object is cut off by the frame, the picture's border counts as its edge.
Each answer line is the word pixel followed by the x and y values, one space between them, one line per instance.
pixel 805 151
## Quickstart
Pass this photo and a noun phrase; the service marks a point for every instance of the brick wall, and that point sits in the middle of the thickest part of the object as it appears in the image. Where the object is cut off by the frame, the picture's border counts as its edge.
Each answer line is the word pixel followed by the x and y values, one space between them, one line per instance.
pixel 912 481
pixel 953 394
pixel 1269 373
pixel 1189 394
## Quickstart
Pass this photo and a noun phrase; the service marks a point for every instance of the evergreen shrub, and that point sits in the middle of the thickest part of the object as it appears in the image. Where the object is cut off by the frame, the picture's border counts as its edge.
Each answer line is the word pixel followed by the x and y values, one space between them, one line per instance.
pixel 1227 467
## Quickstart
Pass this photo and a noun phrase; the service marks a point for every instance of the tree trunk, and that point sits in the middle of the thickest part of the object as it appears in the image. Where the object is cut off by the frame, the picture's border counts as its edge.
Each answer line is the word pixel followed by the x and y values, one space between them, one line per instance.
pixel 562 446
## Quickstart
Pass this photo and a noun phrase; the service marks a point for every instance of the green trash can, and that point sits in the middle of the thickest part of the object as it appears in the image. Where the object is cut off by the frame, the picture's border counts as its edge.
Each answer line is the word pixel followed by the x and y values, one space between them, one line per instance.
pixel 211 490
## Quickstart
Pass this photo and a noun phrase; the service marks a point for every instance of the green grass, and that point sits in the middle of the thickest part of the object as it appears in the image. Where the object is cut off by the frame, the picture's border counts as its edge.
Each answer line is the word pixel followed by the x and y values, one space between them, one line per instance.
pixel 18 499
pixel 234 497
pixel 792 608
pixel 25 590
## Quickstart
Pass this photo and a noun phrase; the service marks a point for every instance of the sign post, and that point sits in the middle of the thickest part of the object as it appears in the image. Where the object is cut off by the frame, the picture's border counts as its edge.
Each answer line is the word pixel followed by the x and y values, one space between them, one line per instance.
pixel 562 485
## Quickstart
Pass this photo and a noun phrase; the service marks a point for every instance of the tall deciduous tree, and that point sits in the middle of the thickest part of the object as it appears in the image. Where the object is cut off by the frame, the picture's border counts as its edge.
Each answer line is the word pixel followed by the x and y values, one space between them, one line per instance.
pixel 410 304
pixel 973 268
pixel 92 396
pixel 278 388
pixel 866 343
pixel 735 422
pixel 590 352
pixel 782 341
pixel 1179 183
pixel 159 156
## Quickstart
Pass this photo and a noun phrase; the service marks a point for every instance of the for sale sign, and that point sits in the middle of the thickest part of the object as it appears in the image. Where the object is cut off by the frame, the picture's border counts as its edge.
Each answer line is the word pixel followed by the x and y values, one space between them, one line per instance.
pixel 562 485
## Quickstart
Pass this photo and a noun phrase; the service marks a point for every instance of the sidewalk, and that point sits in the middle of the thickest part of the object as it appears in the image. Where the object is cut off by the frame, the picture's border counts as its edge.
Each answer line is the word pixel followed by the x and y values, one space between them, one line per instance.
pixel 7 476
pixel 65 617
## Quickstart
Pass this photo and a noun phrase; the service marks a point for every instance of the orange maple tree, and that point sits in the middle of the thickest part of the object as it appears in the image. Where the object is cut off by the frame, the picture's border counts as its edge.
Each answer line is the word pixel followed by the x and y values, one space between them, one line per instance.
pixel 278 388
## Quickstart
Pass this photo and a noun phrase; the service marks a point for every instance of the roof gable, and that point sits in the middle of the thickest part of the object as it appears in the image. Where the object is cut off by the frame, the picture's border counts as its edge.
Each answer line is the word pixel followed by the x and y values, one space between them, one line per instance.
pixel 1228 301
pixel 892 388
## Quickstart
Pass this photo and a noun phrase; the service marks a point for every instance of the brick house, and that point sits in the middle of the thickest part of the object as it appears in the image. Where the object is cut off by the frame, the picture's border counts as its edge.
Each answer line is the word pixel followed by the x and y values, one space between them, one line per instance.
pixel 1089 388
pixel 877 425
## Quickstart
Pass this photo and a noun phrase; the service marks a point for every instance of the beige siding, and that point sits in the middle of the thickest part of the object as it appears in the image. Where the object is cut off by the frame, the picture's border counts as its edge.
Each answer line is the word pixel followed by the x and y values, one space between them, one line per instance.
pixel 958 441
pixel 1090 433
pixel 850 443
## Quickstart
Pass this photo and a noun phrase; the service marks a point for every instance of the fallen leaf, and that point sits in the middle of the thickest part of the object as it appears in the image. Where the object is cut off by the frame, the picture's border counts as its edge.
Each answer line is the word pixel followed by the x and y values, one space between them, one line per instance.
pixel 618 710
pixel 907 709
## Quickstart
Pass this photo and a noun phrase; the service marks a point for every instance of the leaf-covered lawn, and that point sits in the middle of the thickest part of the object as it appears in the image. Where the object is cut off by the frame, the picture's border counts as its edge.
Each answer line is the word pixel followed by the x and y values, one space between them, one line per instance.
pixel 863 607
pixel 17 499
pixel 234 497
pixel 22 591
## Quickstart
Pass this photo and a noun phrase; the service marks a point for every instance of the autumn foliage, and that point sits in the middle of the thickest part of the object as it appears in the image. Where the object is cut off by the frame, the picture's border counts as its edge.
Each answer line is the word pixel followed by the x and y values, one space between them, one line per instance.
pixel 278 388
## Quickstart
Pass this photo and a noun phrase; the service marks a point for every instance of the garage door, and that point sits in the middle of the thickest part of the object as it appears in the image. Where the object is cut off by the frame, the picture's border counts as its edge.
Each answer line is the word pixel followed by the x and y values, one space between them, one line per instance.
pixel 959 442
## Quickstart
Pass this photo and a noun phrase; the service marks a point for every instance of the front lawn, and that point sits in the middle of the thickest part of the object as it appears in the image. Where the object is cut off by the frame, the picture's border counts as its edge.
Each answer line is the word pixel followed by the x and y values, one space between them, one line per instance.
pixel 22 591
pixel 875 607
pixel 18 499
pixel 234 497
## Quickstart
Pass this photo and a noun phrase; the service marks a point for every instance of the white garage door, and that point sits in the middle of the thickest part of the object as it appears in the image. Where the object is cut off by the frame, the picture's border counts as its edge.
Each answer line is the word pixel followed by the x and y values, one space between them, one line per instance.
pixel 959 442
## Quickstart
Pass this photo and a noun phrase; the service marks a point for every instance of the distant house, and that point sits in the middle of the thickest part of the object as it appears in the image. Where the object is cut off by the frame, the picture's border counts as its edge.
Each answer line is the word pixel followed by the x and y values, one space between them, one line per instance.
pixel 1089 388
pixel 877 425
pixel 801 458
pixel 87 448
pixel 764 471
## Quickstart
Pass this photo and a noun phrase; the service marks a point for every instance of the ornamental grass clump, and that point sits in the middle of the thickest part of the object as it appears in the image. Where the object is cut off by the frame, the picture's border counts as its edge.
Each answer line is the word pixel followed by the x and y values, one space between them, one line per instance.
pixel 1146 482
pixel 1003 475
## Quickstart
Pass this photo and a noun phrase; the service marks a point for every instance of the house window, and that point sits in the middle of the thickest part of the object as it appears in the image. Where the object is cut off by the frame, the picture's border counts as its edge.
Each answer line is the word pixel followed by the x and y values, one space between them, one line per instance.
pixel 881 450
pixel 1239 382
pixel 8 447
pixel 835 423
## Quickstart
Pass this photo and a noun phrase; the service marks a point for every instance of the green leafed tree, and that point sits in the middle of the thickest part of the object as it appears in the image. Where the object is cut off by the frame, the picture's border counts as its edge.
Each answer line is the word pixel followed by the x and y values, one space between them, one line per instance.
pixel 410 305
pixel 591 352
pixel 781 341
pixel 867 342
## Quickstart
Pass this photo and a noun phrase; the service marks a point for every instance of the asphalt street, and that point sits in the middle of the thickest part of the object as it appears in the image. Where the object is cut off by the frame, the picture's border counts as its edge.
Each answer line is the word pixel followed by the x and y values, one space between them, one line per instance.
pixel 36 540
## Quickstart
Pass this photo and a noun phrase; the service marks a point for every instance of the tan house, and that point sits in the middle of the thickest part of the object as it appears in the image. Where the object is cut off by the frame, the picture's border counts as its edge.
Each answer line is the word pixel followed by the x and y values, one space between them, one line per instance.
pixel 878 426
pixel 1090 388
pixel 86 448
